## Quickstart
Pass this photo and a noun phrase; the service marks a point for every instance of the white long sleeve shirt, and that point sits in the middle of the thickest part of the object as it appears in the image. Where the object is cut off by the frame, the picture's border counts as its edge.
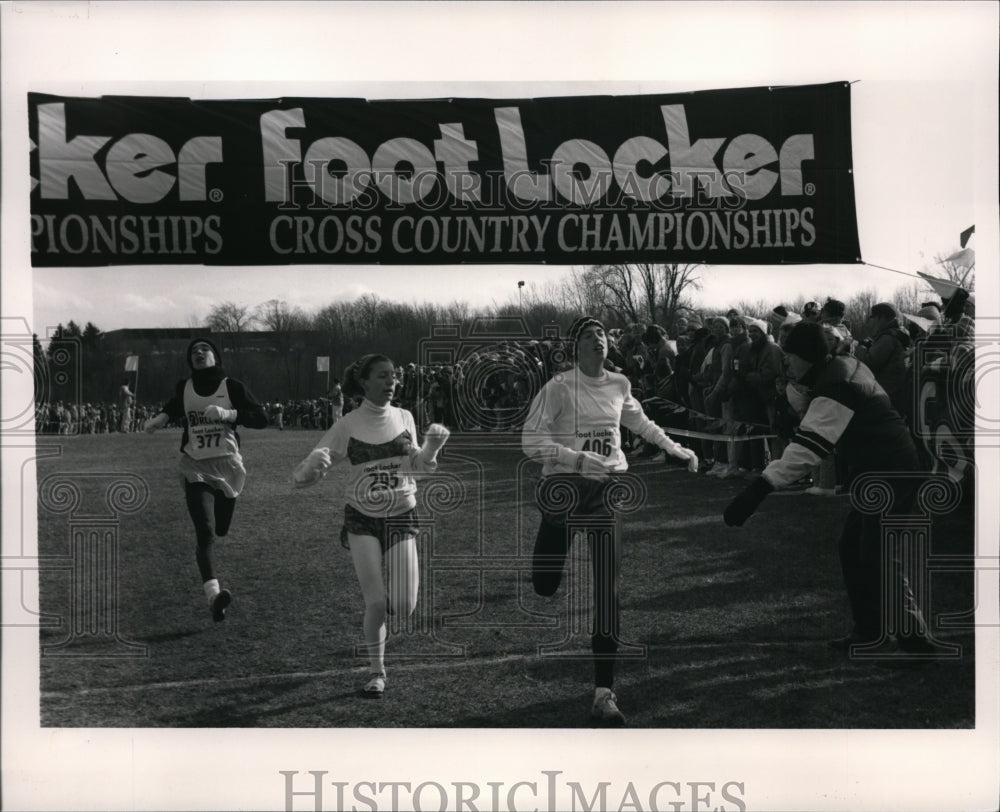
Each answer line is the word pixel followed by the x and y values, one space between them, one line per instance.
pixel 580 413
pixel 380 445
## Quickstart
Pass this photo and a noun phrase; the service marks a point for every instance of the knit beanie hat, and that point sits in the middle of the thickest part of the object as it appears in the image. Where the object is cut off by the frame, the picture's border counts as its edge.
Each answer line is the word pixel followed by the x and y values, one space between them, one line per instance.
pixel 581 324
pixel 807 340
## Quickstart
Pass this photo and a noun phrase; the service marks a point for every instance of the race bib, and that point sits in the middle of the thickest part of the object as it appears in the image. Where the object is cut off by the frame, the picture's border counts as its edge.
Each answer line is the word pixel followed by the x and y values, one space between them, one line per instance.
pixel 602 442
pixel 208 440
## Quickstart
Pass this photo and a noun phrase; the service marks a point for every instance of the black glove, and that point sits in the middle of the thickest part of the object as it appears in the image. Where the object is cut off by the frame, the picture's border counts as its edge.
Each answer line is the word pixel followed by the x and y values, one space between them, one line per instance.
pixel 745 503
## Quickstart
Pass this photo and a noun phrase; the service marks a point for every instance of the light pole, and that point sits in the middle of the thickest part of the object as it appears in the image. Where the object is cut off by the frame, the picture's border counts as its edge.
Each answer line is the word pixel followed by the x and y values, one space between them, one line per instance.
pixel 520 308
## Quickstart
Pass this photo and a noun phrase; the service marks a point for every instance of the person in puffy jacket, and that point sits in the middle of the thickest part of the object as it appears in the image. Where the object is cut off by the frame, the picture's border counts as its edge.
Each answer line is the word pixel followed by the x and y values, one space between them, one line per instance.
pixel 884 353
pixel 849 411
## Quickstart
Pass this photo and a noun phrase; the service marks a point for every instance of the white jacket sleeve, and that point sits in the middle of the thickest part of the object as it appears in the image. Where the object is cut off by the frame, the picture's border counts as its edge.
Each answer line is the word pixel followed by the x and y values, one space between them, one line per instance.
pixel 324 456
pixel 537 440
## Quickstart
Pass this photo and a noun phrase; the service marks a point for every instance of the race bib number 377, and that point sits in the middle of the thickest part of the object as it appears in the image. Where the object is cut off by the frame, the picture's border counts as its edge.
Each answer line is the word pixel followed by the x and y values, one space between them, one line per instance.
pixel 208 441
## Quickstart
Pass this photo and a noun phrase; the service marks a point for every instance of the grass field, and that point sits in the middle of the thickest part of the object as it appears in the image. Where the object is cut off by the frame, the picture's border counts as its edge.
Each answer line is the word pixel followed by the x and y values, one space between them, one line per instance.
pixel 726 627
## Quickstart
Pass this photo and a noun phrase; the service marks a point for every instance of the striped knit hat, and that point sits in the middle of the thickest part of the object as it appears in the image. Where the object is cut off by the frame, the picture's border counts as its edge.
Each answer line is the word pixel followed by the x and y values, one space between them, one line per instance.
pixel 581 324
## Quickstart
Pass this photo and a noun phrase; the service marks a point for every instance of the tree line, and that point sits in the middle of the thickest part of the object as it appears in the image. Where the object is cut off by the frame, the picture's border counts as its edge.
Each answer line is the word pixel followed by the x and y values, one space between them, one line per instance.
pixel 618 294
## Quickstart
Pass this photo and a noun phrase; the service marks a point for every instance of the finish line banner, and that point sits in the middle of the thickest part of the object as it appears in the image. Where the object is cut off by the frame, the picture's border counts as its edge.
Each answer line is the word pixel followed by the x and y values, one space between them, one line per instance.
pixel 748 176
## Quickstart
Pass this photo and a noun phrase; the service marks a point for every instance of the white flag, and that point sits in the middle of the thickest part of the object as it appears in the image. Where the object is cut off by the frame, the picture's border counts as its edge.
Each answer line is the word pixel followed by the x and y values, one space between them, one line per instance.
pixel 322 363
pixel 942 287
pixel 132 363
pixel 965 258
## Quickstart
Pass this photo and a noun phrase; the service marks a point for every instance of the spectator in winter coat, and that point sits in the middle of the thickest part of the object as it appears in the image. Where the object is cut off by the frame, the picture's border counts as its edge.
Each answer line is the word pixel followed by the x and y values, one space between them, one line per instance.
pixel 661 350
pixel 700 360
pixel 849 411
pixel 884 353
pixel 718 397
pixel 758 365
pixel 832 315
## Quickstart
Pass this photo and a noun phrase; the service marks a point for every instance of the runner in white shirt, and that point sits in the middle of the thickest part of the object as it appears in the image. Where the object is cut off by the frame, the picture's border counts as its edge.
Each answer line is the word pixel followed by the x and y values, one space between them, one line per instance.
pixel 210 405
pixel 574 430
pixel 379 442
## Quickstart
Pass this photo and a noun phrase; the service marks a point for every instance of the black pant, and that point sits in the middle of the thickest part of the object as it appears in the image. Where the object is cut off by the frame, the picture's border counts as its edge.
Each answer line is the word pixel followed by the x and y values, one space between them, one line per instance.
pixel 869 575
pixel 212 513
pixel 592 518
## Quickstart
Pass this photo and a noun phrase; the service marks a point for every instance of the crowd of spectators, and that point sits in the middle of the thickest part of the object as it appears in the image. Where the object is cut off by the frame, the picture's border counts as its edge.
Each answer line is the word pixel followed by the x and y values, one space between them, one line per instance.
pixel 728 375
pixel 717 375
pixel 89 418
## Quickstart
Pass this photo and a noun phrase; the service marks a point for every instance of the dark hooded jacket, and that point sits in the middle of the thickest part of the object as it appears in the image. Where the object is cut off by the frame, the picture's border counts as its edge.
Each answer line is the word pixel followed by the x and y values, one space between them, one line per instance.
pixel 886 358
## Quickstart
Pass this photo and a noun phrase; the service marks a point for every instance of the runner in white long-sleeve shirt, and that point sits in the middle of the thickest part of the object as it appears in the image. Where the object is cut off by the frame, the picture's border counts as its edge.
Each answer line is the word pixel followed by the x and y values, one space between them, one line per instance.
pixel 574 430
pixel 379 441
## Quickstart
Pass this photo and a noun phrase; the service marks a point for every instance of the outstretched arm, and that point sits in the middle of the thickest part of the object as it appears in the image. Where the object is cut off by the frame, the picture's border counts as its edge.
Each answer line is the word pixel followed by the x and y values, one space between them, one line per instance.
pixel 172 410
pixel 822 426
pixel 634 418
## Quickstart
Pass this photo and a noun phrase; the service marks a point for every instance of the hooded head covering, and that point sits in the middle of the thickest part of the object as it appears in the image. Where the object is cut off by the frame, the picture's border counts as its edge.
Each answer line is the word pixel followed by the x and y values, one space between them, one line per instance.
pixel 215 351
pixel 807 340
pixel 205 380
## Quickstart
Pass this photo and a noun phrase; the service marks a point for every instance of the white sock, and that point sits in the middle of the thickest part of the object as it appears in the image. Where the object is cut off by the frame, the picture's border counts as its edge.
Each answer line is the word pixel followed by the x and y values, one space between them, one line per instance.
pixel 211 588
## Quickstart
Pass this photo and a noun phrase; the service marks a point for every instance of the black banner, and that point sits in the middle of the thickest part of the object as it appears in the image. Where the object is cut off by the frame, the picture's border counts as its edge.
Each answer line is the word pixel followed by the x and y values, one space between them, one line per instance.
pixel 749 176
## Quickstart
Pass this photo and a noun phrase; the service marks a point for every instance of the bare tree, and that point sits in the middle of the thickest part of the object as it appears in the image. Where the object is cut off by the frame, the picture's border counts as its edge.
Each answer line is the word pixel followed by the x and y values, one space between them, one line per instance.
pixel 909 299
pixel 276 315
pixel 639 292
pixel 664 285
pixel 369 309
pixel 331 320
pixel 232 320
pixel 283 322
pixel 858 309
pixel 456 313
pixel 230 317
pixel 624 296
pixel 583 292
